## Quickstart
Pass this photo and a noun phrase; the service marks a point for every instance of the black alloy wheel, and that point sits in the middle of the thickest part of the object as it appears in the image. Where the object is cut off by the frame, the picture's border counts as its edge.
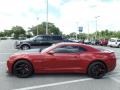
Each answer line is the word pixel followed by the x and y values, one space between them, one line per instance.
pixel 97 70
pixel 22 69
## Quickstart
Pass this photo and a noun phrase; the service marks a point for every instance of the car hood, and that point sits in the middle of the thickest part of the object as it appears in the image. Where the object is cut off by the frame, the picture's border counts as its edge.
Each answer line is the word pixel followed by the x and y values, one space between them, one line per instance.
pixel 27 40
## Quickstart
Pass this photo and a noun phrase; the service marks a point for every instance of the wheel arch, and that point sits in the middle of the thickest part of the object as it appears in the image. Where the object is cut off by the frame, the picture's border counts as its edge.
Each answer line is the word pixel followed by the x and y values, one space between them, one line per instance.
pixel 25 44
pixel 23 59
pixel 97 61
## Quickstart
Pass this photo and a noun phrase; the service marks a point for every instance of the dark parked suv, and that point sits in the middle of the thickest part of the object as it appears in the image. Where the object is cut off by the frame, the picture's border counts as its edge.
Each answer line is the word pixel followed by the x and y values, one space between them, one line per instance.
pixel 38 41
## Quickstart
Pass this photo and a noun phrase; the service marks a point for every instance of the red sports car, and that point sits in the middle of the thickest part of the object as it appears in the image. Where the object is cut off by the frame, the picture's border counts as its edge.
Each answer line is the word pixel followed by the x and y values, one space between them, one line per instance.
pixel 63 58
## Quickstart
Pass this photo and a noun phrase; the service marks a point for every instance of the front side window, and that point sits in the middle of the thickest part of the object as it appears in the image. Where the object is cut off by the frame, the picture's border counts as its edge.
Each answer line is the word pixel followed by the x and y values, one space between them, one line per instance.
pixel 39 38
pixel 43 38
pixel 69 49
pixel 46 38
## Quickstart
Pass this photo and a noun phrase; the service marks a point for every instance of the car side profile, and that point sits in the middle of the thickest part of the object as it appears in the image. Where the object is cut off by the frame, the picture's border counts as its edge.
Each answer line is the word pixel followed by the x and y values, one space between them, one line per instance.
pixel 62 58
pixel 38 41
pixel 103 42
pixel 114 42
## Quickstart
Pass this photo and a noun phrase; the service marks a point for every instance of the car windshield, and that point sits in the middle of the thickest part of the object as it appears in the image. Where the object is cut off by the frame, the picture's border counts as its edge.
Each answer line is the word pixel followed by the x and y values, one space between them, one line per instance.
pixel 32 38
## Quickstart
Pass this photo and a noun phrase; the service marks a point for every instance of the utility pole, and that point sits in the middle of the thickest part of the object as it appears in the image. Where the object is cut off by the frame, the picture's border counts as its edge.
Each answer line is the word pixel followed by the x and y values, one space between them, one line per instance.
pixel 96 26
pixel 47 17
pixel 76 37
pixel 88 30
pixel 37 26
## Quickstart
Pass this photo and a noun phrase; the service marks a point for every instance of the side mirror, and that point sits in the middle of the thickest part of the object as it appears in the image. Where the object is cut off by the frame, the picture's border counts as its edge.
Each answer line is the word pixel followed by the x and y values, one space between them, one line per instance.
pixel 51 52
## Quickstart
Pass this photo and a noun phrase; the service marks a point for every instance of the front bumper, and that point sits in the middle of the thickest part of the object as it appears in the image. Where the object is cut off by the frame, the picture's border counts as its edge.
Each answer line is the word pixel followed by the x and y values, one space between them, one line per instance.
pixel 17 45
pixel 9 66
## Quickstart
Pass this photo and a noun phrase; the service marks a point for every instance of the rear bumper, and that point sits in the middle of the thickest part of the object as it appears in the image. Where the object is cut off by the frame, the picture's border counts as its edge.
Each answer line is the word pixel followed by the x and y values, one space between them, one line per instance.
pixel 111 64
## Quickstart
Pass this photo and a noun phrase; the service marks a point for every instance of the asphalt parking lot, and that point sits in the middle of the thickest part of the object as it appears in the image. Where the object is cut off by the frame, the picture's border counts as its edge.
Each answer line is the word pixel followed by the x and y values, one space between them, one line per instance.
pixel 55 81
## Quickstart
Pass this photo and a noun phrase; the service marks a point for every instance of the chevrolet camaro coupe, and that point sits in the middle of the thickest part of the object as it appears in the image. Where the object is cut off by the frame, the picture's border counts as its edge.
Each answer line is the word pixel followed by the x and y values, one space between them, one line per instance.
pixel 63 58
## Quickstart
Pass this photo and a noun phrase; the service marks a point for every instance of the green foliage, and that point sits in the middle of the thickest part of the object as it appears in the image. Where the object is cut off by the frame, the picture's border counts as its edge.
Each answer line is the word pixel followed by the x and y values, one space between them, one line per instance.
pixel 81 36
pixel 2 34
pixel 8 33
pixel 52 29
pixel 107 34
pixel 18 31
pixel 104 34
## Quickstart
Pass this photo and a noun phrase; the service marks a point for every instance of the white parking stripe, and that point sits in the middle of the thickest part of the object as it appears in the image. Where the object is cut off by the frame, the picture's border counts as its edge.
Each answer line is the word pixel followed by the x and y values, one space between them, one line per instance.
pixel 54 84
pixel 115 79
pixel 112 76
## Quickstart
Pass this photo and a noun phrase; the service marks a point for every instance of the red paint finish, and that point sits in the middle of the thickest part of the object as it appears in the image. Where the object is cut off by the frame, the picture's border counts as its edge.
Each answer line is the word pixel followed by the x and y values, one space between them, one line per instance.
pixel 46 62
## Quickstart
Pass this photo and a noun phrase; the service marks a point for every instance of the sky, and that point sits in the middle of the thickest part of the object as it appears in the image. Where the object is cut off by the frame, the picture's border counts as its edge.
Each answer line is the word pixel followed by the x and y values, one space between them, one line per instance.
pixel 68 15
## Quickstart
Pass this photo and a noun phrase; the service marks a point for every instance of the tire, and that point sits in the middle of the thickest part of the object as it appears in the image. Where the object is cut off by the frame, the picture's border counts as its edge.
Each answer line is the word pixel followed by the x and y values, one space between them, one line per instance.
pixel 22 69
pixel 97 70
pixel 25 47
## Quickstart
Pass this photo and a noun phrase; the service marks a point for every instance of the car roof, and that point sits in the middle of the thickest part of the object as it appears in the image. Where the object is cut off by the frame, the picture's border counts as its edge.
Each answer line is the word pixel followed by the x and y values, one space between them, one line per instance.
pixel 69 43
pixel 72 43
pixel 49 35
pixel 88 47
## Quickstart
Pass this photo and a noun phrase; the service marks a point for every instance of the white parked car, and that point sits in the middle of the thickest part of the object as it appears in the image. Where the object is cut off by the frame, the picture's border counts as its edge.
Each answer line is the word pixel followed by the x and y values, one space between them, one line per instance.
pixel 114 42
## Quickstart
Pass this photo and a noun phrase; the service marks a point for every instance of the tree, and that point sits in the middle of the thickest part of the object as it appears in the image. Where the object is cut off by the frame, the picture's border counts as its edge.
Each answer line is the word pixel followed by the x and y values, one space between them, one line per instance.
pixel 52 29
pixel 8 33
pixel 1 34
pixel 18 31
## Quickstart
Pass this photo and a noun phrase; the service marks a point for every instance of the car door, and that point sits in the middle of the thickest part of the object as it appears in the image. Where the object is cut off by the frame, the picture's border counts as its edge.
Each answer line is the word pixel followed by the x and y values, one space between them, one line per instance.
pixel 64 59
pixel 37 41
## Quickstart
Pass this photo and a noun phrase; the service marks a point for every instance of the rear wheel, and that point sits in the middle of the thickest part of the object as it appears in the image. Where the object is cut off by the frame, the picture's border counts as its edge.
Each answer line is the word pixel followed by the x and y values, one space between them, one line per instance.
pixel 97 70
pixel 22 69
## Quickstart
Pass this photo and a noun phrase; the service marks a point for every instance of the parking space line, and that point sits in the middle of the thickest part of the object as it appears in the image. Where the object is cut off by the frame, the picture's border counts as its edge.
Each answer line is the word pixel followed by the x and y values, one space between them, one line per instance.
pixel 115 79
pixel 112 76
pixel 54 84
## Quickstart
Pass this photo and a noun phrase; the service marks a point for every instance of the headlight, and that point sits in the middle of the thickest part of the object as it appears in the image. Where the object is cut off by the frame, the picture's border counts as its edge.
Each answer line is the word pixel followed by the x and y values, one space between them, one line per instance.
pixel 18 42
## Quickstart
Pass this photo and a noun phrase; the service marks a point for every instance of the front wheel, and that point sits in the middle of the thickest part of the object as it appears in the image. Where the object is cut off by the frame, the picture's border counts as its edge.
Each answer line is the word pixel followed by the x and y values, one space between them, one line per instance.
pixel 25 47
pixel 22 69
pixel 97 70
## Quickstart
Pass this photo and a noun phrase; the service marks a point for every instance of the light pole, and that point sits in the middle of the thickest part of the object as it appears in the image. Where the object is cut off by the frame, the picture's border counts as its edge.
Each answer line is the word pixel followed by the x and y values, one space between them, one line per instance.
pixel 76 37
pixel 47 18
pixel 88 30
pixel 37 25
pixel 96 26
